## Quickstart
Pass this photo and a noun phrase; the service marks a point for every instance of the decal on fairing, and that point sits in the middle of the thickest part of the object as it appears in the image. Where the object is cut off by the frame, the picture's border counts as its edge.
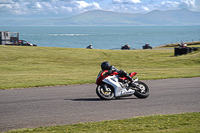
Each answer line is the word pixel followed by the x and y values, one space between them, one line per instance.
pixel 113 80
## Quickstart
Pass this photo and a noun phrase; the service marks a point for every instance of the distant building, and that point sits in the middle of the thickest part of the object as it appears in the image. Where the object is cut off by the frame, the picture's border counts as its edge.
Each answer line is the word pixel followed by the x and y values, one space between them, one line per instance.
pixel 8 38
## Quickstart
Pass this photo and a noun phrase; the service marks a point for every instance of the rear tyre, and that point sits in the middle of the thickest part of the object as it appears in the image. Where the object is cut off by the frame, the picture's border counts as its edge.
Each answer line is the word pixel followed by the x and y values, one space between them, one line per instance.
pixel 142 91
pixel 105 92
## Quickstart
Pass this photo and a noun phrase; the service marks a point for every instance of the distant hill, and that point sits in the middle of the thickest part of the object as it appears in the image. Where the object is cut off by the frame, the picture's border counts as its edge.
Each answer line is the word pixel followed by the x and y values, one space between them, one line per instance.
pixel 99 17
pixel 171 17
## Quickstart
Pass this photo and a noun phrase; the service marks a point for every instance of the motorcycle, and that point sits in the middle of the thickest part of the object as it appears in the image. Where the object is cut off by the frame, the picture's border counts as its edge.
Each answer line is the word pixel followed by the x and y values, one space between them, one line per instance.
pixel 113 86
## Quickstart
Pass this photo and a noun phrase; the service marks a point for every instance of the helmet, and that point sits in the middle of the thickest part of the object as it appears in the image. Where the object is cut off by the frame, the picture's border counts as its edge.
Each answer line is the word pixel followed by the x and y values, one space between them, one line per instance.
pixel 105 65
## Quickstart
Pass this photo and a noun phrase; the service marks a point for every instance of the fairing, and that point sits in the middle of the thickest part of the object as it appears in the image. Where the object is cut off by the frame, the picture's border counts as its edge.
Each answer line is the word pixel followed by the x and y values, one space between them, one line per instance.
pixel 119 90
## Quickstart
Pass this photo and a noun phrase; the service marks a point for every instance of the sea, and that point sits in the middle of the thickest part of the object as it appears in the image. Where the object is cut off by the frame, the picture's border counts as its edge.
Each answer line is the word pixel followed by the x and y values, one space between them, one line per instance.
pixel 105 37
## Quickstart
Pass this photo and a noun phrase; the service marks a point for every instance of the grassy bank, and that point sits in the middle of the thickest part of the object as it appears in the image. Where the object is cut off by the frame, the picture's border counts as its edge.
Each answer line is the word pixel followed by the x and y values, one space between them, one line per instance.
pixel 181 123
pixel 45 66
pixel 189 44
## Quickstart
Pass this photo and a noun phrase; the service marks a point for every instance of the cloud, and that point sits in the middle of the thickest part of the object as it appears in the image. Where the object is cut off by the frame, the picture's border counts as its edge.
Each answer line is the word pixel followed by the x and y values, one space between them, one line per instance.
pixel 46 8
pixel 190 4
pixel 85 5
pixel 179 4
pixel 6 2
pixel 144 6
pixel 168 5
pixel 126 1
pixel 130 6
pixel 197 3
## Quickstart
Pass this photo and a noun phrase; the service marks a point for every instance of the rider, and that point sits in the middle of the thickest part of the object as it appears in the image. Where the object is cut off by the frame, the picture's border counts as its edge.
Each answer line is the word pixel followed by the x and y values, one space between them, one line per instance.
pixel 106 66
pixel 89 47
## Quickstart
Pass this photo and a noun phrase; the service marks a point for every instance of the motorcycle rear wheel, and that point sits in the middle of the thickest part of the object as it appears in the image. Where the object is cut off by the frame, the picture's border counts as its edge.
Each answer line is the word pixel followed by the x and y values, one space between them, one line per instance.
pixel 143 91
pixel 105 92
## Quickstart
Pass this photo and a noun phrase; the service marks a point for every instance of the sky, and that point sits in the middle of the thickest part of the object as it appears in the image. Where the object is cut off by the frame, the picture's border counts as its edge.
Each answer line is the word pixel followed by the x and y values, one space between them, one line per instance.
pixel 65 8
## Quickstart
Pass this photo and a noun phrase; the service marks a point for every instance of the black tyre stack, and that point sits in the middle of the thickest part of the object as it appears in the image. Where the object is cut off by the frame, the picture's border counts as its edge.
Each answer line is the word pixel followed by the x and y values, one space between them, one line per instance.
pixel 186 50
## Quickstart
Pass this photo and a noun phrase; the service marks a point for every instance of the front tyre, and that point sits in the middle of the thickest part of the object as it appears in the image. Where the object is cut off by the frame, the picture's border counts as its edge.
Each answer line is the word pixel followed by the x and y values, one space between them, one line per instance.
pixel 142 90
pixel 105 92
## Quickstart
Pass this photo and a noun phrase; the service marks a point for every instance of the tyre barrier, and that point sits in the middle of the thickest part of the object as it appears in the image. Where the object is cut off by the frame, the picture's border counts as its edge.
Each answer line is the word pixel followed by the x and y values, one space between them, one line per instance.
pixel 186 50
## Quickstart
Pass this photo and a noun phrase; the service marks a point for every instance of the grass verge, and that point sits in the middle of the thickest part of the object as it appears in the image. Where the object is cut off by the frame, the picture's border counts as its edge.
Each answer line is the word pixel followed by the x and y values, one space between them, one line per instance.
pixel 177 123
pixel 22 67
pixel 189 44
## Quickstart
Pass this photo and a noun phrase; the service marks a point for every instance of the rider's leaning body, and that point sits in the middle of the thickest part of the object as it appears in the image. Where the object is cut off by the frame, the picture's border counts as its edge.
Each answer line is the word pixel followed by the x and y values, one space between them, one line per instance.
pixel 106 66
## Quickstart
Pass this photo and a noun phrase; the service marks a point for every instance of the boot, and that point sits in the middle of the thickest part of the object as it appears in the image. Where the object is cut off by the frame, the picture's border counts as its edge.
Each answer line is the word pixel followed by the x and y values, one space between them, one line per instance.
pixel 131 84
pixel 129 78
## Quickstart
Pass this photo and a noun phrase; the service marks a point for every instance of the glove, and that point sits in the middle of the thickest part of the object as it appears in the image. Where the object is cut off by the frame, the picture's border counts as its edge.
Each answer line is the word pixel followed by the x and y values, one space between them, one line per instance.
pixel 112 68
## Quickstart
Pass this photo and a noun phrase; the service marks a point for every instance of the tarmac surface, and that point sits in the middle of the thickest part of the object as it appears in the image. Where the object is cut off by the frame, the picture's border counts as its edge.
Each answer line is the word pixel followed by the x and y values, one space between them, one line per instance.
pixel 61 105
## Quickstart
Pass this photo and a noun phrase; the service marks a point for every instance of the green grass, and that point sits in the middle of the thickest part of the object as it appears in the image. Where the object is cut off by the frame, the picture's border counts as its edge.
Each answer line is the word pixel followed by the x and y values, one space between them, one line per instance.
pixel 46 66
pixel 189 44
pixel 43 66
pixel 178 123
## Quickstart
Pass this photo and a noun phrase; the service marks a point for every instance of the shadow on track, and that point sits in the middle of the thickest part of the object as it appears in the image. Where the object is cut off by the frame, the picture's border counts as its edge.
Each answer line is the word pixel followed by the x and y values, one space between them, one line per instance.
pixel 85 99
pixel 88 99
pixel 98 99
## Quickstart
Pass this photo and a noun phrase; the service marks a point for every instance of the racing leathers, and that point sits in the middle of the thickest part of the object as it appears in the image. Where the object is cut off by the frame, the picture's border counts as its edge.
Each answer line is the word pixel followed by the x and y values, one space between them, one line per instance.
pixel 121 73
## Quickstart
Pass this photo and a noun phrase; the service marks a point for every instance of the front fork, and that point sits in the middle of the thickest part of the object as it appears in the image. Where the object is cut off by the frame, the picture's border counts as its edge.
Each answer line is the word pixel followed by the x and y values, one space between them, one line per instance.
pixel 139 87
pixel 136 87
pixel 136 79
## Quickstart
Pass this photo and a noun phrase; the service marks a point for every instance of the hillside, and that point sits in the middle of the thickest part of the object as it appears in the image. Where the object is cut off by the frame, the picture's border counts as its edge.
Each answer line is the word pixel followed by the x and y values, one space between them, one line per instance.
pixel 98 17
pixel 172 17
pixel 183 17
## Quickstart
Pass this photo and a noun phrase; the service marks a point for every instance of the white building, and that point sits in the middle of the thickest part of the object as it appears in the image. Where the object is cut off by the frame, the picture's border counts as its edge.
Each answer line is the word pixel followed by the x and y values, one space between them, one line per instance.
pixel 8 38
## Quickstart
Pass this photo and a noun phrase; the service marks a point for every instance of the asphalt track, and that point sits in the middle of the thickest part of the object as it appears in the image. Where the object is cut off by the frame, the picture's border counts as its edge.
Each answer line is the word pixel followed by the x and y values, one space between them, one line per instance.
pixel 47 106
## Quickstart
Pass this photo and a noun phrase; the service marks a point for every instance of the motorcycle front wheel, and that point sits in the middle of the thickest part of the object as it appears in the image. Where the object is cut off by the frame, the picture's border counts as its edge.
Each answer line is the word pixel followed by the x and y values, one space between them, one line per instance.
pixel 105 92
pixel 142 90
